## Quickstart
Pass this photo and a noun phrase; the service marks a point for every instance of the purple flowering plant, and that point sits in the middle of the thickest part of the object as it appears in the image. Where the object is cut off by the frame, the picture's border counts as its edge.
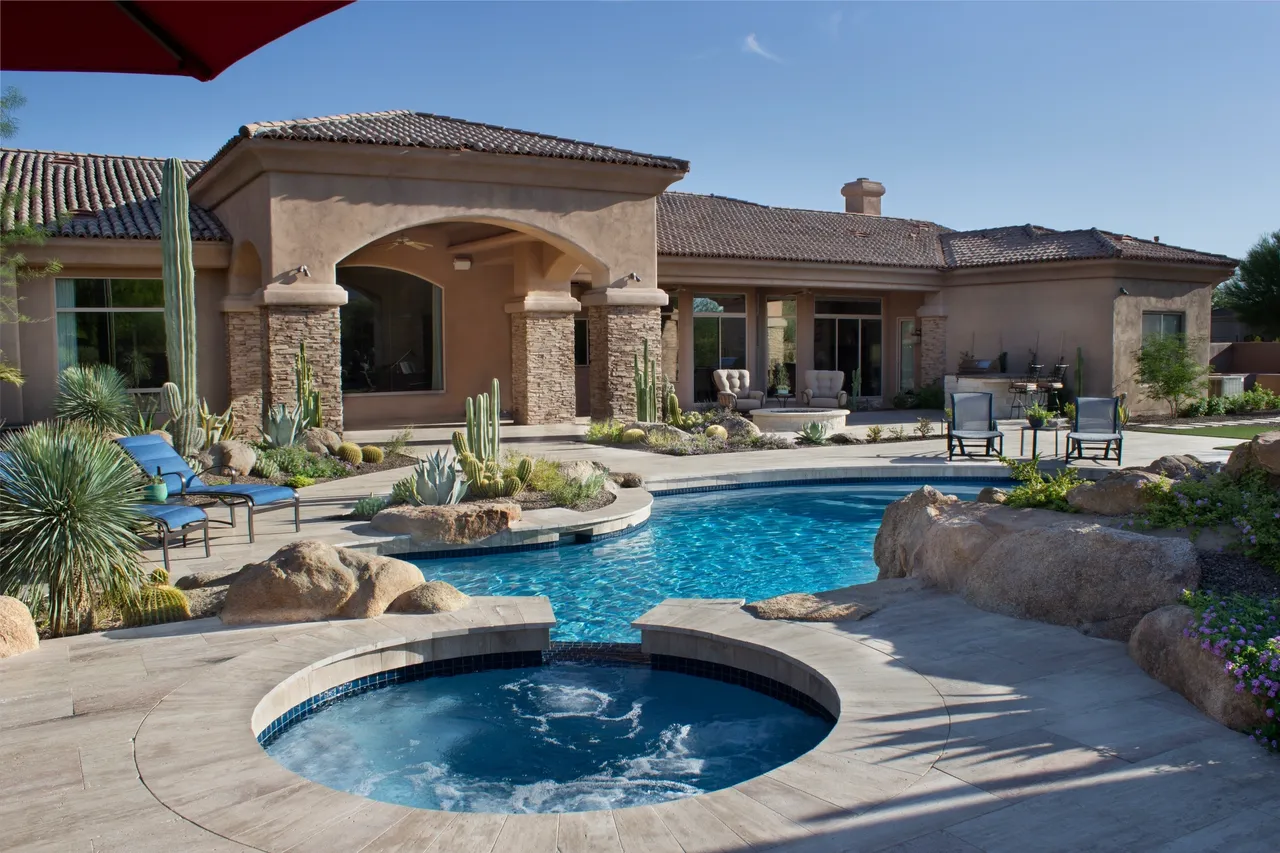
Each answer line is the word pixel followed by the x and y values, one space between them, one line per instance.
pixel 1246 504
pixel 1245 633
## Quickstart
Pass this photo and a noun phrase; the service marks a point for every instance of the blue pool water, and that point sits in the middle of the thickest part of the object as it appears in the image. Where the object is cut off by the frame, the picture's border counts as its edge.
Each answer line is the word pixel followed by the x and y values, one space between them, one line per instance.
pixel 560 738
pixel 748 543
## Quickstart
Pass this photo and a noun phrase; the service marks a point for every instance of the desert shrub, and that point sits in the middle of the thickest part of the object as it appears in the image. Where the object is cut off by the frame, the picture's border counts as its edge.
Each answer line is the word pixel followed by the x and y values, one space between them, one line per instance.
pixel 1035 490
pixel 1245 633
pixel 897 434
pixel 1246 503
pixel 924 427
pixel 372 454
pixel 1254 400
pixel 68 522
pixel 605 432
pixel 95 395
pixel 396 446
pixel 545 476
pixel 367 508
pixel 1169 369
pixel 875 433
pixel 299 481
pixel 571 493
pixel 296 461
pixel 1217 406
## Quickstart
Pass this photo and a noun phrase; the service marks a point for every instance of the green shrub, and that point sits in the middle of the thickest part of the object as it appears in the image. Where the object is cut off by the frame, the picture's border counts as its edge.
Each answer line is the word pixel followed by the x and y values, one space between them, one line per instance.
pixel 1035 490
pixel 299 481
pixel 68 522
pixel 546 474
pixel 1195 408
pixel 605 432
pixel 897 433
pixel 265 467
pixel 1169 369
pixel 1245 633
pixel 874 433
pixel 372 454
pixel 924 427
pixel 367 508
pixel 571 493
pixel 95 395
pixel 1246 504
pixel 931 397
pixel 296 461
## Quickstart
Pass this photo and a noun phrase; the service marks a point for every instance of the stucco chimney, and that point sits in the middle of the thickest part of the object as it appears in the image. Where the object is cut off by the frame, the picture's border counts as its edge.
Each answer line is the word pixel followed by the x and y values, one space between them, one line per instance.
pixel 862 196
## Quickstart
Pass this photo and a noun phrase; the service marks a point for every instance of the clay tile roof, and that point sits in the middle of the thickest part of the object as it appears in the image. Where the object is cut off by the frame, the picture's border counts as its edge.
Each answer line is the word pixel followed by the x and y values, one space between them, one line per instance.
pixel 95 195
pixel 405 128
pixel 708 226
pixel 1021 244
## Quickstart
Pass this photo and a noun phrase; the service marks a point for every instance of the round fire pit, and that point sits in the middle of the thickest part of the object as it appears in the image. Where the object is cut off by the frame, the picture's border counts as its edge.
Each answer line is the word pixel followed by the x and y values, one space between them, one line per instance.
pixel 791 420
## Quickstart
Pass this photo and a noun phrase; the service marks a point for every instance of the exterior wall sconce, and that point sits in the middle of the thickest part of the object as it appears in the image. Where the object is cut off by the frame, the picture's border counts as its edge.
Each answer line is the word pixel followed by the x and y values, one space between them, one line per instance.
pixel 1124 291
pixel 462 263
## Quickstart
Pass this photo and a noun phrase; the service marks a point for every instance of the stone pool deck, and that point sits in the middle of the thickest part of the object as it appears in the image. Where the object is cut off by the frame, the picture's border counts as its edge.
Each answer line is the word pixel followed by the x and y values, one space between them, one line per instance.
pixel 958 730
pixel 324 503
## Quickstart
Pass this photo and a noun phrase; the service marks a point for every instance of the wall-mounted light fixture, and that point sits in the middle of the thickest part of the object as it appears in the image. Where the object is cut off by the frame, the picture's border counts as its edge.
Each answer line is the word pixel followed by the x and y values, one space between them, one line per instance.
pixel 302 271
pixel 1124 291
pixel 633 277
pixel 462 263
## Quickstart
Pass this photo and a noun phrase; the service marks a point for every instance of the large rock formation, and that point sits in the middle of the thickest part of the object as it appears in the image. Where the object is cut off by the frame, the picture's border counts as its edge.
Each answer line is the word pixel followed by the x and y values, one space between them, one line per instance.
pixel 321 441
pixel 229 454
pixel 17 628
pixel 1119 493
pixel 1260 454
pixel 1178 662
pixel 430 597
pixel 309 581
pixel 454 524
pixel 1056 567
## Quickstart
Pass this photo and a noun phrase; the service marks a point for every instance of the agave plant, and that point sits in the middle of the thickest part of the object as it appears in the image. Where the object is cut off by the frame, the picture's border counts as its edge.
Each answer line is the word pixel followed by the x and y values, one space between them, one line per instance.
pixel 814 432
pixel 68 521
pixel 282 427
pixel 437 481
pixel 96 395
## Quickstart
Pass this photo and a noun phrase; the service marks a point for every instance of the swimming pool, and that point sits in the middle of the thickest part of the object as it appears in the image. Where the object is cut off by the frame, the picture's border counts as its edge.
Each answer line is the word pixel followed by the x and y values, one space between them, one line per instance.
pixel 746 543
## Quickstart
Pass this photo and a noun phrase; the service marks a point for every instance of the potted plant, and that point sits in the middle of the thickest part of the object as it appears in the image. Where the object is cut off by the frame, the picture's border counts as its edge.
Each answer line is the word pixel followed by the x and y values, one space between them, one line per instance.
pixel 155 490
pixel 781 382
pixel 1037 415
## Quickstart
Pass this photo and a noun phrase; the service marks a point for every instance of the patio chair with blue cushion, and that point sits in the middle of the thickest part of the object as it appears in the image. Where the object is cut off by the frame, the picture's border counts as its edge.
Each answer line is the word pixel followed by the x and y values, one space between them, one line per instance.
pixel 155 456
pixel 1097 423
pixel 972 421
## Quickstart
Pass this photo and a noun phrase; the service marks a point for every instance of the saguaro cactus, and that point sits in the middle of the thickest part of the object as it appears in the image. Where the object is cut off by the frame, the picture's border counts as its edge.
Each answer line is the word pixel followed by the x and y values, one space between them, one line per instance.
pixel 646 386
pixel 183 397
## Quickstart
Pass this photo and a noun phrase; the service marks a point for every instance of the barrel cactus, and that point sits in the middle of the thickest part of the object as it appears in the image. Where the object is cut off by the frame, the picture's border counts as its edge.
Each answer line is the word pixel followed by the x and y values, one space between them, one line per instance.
pixel 488 480
pixel 372 454
pixel 631 436
pixel 350 453
pixel 155 604
pixel 717 431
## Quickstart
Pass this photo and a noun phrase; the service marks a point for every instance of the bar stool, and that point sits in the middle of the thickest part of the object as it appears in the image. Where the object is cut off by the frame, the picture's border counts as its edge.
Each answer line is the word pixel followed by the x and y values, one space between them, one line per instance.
pixel 1026 388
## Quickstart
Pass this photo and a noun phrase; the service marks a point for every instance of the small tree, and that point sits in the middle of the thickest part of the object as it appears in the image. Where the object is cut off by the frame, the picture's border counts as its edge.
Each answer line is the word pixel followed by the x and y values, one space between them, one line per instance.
pixel 1170 370
pixel 1254 291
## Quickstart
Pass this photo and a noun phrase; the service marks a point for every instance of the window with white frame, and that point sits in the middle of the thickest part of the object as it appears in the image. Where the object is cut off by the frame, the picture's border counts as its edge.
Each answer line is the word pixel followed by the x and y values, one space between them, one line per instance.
pixel 115 321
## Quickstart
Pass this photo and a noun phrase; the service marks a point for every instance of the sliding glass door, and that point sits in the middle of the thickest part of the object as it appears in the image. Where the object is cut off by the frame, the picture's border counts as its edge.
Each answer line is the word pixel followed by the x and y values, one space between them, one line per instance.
pixel 847 337
pixel 719 339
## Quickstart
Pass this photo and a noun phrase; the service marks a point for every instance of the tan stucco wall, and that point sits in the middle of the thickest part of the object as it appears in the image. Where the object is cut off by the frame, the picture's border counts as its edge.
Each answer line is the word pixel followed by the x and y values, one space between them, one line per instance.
pixel 1195 301
pixel 477 340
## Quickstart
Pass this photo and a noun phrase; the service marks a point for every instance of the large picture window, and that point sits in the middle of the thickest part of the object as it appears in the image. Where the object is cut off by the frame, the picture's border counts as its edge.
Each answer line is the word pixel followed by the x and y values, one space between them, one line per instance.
pixel 847 337
pixel 719 339
pixel 1163 323
pixel 115 321
pixel 392 332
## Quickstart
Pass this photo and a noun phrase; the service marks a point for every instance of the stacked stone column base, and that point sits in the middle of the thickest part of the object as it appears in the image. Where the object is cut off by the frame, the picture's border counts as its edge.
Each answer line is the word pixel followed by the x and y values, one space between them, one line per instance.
pixel 286 327
pixel 542 367
pixel 617 335
pixel 933 349
pixel 245 368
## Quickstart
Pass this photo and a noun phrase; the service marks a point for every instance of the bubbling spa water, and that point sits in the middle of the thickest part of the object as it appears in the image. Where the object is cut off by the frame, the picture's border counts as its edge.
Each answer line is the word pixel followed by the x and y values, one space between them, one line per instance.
pixel 565 737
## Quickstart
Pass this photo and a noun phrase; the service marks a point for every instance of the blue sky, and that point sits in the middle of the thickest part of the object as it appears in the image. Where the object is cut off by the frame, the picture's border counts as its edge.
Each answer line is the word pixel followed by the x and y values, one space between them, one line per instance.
pixel 1147 118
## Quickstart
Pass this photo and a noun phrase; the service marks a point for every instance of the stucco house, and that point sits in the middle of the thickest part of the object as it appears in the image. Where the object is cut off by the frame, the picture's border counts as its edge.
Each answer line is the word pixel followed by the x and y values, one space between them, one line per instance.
pixel 418 256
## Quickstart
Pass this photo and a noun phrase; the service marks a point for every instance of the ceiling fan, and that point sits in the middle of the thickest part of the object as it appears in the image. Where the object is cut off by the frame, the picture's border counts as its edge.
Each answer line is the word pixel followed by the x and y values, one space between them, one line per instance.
pixel 403 240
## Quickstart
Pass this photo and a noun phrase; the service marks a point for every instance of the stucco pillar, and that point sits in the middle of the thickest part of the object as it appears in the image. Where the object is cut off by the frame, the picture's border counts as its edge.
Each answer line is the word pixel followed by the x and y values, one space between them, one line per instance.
pixel 933 349
pixel 292 314
pixel 620 321
pixel 245 332
pixel 542 369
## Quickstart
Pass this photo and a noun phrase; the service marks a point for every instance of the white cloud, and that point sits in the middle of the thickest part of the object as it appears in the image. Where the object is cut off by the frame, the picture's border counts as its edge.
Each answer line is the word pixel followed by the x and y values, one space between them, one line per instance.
pixel 752 45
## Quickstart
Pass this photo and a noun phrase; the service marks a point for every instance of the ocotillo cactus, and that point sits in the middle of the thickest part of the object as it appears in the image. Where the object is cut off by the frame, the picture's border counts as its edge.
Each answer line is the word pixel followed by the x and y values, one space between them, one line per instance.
pixel 308 396
pixel 646 387
pixel 179 308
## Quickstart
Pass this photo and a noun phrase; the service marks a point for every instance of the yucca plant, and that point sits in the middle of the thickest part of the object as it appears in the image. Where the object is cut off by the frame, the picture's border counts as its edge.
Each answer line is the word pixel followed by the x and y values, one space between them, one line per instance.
pixel 68 521
pixel 96 395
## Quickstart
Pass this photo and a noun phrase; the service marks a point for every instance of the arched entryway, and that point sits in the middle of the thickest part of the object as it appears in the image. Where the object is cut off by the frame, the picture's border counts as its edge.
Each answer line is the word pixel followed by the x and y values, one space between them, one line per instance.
pixel 392 331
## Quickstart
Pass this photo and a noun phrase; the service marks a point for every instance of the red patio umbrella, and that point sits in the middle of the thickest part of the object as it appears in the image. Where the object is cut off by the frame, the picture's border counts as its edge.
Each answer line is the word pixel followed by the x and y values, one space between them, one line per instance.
pixel 192 38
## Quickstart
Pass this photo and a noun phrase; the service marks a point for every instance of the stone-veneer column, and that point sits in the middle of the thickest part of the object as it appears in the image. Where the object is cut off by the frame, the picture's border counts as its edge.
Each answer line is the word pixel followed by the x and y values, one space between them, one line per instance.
pixel 542 368
pixel 933 349
pixel 287 326
pixel 617 333
pixel 245 369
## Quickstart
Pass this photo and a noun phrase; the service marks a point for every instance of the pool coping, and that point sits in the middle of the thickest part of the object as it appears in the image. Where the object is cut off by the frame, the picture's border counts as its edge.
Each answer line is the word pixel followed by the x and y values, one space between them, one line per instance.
pixel 197 750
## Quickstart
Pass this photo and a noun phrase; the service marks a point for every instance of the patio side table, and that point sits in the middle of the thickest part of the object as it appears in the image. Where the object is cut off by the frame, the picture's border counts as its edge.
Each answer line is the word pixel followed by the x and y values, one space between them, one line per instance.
pixel 783 397
pixel 1035 435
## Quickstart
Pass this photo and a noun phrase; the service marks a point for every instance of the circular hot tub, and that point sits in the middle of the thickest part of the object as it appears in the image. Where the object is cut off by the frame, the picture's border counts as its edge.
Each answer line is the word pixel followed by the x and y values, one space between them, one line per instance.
pixel 793 420
pixel 562 737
